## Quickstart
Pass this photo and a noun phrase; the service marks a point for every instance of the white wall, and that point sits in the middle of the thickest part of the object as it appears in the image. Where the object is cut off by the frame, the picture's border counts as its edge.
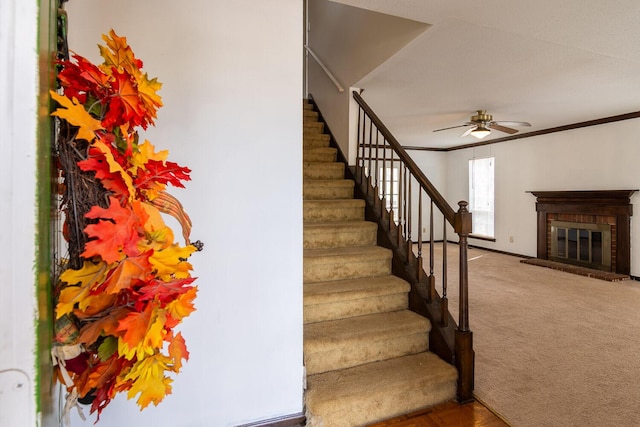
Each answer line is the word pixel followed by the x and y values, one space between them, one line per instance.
pixel 603 157
pixel 351 42
pixel 18 142
pixel 232 90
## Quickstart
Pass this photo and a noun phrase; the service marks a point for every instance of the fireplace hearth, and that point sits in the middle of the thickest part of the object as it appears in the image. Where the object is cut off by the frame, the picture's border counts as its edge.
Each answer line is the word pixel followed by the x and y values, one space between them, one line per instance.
pixel 585 228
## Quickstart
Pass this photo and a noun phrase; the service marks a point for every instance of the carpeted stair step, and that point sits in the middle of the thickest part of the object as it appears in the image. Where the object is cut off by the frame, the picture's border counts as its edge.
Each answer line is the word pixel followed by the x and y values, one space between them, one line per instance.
pixel 320 189
pixel 340 234
pixel 320 154
pixel 312 128
pixel 333 210
pixel 322 265
pixel 316 140
pixel 377 391
pixel 355 297
pixel 309 115
pixel 344 343
pixel 323 170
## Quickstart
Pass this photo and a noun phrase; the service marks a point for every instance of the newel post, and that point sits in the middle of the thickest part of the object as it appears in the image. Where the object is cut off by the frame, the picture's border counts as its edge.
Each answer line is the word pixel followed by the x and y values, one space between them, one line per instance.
pixel 464 355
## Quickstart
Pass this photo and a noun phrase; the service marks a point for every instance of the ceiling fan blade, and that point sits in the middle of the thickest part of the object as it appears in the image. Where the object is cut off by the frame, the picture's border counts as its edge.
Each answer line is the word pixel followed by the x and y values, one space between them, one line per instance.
pixel 507 123
pixel 453 127
pixel 468 131
pixel 502 128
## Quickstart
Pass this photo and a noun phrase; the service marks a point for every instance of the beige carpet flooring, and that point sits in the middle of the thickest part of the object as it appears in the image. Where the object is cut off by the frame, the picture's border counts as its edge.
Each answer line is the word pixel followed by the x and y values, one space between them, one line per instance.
pixel 552 348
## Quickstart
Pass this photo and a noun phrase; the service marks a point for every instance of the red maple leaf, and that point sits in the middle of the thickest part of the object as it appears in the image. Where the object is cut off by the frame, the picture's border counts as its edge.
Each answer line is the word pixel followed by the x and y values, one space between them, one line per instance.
pixel 164 291
pixel 82 79
pixel 156 171
pixel 116 233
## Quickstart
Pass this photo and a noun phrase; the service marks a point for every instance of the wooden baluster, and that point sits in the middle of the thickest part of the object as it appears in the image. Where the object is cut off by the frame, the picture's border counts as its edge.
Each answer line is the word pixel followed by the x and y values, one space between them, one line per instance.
pixel 464 354
pixel 420 270
pixel 409 217
pixel 432 277
pixel 401 202
pixel 383 198
pixel 444 301
pixel 370 140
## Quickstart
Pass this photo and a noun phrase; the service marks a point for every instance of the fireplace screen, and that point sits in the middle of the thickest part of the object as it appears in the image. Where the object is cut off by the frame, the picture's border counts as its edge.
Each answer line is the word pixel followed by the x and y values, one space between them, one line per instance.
pixel 577 243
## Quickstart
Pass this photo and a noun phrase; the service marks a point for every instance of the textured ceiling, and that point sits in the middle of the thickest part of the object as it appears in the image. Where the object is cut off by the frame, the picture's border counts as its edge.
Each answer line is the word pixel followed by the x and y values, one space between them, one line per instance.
pixel 546 62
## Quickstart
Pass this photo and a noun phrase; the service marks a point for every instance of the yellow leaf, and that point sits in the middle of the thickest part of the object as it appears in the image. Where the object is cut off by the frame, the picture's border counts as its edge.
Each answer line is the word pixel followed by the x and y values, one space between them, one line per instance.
pixel 76 115
pixel 144 153
pixel 170 262
pixel 183 305
pixel 147 90
pixel 149 380
pixel 117 54
pixel 80 284
pixel 158 235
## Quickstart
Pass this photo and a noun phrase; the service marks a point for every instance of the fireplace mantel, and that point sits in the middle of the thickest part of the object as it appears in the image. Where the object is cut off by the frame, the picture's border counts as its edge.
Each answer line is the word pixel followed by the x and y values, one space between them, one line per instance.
pixel 599 206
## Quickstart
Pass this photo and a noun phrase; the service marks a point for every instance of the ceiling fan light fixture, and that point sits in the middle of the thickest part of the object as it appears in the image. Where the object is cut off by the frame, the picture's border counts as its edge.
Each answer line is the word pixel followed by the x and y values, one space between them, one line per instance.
pixel 480 132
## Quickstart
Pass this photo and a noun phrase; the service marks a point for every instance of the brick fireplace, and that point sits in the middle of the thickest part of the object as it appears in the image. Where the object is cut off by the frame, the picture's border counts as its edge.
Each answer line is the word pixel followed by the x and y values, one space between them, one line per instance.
pixel 585 228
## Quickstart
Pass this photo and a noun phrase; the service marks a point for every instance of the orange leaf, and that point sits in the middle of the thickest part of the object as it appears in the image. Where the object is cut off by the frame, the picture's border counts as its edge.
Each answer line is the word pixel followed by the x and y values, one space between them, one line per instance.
pixel 128 271
pixel 135 326
pixel 118 53
pixel 106 325
pixel 115 232
pixel 178 351
pixel 76 115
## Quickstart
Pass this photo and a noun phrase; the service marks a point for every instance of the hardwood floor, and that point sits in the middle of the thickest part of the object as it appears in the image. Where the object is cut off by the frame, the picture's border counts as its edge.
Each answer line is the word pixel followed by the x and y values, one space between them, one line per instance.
pixel 449 414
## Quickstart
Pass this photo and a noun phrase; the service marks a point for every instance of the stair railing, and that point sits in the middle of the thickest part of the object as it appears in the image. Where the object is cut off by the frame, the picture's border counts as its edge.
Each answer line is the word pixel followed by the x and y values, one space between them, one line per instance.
pixel 392 184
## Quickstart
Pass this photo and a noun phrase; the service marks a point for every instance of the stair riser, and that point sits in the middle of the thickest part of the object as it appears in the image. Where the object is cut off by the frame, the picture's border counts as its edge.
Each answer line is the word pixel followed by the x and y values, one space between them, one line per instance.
pixel 315 143
pixel 320 269
pixel 339 238
pixel 313 127
pixel 315 213
pixel 322 170
pixel 314 136
pixel 353 308
pixel 338 355
pixel 327 192
pixel 319 156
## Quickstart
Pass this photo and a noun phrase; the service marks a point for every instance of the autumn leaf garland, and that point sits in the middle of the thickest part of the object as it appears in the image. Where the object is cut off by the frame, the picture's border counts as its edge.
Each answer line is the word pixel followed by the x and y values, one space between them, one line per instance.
pixel 134 284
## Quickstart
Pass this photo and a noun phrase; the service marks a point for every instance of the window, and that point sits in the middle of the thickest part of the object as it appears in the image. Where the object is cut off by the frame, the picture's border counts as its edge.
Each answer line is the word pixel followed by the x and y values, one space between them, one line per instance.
pixel 481 195
pixel 389 187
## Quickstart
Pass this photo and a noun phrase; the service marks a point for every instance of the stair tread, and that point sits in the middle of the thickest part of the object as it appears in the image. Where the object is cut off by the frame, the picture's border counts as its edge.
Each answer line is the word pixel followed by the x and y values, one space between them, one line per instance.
pixel 352 289
pixel 331 225
pixel 370 251
pixel 371 327
pixel 407 371
pixel 328 182
pixel 335 202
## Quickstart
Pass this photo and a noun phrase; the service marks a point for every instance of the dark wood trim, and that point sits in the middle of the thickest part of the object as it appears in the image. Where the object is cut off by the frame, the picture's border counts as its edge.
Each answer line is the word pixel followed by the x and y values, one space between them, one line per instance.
pixel 479 237
pixel 596 122
pixel 294 420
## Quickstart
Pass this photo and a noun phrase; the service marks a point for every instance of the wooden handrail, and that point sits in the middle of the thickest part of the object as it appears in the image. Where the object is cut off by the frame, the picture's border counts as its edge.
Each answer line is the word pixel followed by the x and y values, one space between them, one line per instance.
pixel 383 191
pixel 435 195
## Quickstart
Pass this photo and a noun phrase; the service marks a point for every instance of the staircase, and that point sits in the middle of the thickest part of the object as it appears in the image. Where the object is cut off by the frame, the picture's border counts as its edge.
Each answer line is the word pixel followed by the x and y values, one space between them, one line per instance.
pixel 365 353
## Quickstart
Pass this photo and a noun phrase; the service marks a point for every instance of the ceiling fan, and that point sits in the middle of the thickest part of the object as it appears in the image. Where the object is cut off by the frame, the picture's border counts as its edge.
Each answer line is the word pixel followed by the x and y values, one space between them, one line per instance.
pixel 483 123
